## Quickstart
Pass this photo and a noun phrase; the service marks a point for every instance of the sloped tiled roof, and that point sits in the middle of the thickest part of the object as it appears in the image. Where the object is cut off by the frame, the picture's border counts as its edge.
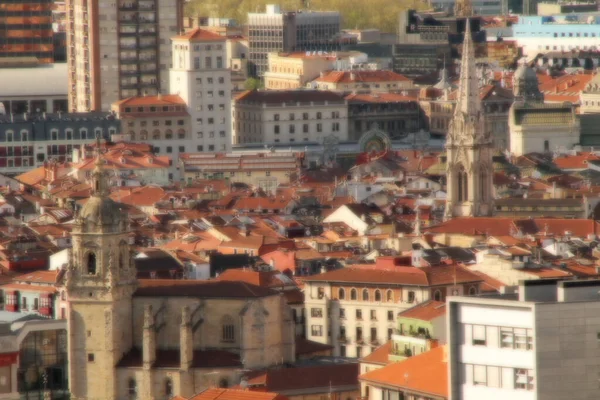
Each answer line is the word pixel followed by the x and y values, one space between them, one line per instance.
pixel 361 76
pixel 201 35
pixel 200 288
pixel 425 311
pixel 236 394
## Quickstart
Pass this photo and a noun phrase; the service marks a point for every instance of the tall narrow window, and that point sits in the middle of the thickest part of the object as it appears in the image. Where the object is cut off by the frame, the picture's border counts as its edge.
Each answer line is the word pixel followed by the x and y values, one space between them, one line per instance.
pixel 228 329
pixel 482 184
pixel 546 146
pixel 462 185
pixel 168 388
pixel 91 264
pixel 342 294
pixel 132 388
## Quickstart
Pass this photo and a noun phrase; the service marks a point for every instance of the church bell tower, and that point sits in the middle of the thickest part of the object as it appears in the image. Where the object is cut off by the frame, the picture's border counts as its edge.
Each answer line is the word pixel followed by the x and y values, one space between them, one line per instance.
pixel 469 147
pixel 100 281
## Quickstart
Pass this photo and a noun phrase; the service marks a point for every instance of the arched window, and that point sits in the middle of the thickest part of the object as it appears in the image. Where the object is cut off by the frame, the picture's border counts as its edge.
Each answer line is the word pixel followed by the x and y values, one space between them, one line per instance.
pixel 389 296
pixel 168 134
pixel 353 294
pixel 97 133
pixel 377 295
pixel 144 135
pixel 472 291
pixel 168 388
pixel 91 264
pixel 437 295
pixel 365 295
pixel 181 133
pixel 341 294
pixel 83 132
pixel 24 135
pixel 228 329
pixel 132 388
pixel 411 297
pixel 156 134
pixel 9 136
pixel 462 185
pixel 482 185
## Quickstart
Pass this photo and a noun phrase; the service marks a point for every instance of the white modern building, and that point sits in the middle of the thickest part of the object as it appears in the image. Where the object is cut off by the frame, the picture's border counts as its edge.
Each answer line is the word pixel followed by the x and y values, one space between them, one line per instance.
pixel 201 78
pixel 541 344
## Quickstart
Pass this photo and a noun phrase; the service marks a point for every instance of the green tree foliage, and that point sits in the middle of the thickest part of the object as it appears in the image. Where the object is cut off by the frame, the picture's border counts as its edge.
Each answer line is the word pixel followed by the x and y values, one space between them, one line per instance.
pixel 253 83
pixel 356 14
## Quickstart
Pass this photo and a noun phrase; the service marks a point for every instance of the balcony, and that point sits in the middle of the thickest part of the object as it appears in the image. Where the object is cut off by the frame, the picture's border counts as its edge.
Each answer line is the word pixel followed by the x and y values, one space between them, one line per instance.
pixel 374 342
pixel 360 341
pixel 342 339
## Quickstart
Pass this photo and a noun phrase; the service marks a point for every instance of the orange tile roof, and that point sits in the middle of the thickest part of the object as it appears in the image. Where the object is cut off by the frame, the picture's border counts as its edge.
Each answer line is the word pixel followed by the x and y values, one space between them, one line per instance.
pixel 425 311
pixel 380 355
pixel 201 35
pixel 29 288
pixel 489 285
pixel 361 76
pixel 379 98
pixel 236 394
pixel 159 100
pixel 425 373
pixel 565 88
pixel 272 279
pixel 579 161
pixel 38 277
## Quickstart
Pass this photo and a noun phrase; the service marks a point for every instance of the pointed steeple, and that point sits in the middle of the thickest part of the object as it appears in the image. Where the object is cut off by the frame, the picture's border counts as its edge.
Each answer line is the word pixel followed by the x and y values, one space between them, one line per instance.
pixel 468 92
pixel 99 181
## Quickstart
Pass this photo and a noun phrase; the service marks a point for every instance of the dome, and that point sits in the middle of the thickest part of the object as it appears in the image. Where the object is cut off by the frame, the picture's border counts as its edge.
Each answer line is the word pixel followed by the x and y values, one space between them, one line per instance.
pixel 101 210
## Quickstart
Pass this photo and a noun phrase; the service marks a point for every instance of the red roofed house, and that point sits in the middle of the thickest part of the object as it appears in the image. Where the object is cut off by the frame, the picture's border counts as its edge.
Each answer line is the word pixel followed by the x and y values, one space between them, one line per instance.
pixel 364 80
pixel 235 394
pixel 34 292
pixel 355 309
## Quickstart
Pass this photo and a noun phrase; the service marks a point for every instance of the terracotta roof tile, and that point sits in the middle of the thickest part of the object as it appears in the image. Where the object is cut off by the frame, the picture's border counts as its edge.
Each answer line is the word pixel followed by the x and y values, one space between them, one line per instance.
pixel 159 100
pixel 201 35
pixel 236 394
pixel 200 288
pixel 361 76
pixel 380 355
pixel 38 277
pixel 427 373
pixel 425 311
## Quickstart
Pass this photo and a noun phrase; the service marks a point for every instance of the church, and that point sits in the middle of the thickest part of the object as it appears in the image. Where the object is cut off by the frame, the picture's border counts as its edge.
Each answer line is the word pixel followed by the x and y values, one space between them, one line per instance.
pixel 155 339
pixel 469 147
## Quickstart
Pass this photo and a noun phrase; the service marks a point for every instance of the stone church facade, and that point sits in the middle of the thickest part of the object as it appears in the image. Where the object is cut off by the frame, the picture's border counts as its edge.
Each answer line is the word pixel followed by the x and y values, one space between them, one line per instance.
pixel 137 339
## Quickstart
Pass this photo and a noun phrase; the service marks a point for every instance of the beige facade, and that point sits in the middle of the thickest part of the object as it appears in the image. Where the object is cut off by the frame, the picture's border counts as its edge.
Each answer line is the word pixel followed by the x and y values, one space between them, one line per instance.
pixel 295 70
pixel 159 338
pixel 289 116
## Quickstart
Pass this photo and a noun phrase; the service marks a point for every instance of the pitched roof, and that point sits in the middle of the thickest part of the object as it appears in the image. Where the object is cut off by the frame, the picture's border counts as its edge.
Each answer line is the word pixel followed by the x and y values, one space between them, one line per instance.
pixel 305 347
pixel 159 100
pixel 200 288
pixel 236 394
pixel 271 279
pixel 361 76
pixel 380 355
pixel 425 311
pixel 38 277
pixel 201 35
pixel 425 373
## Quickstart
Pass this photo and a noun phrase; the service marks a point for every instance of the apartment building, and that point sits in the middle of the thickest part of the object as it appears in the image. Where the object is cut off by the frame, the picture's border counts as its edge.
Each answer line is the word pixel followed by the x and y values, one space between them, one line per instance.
pixel 27 30
pixel 362 80
pixel 541 344
pixel 262 170
pixel 295 70
pixel 354 308
pixel 201 78
pixel 280 31
pixel 119 49
pixel 28 141
pixel 286 116
pixel 162 120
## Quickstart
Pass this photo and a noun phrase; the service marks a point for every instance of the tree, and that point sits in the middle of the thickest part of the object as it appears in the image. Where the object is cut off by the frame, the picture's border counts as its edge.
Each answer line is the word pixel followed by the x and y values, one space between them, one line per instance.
pixel 253 84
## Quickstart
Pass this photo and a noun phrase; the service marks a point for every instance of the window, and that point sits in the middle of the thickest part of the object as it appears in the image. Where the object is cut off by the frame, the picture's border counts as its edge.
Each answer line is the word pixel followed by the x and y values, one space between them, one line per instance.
pixel 90 357
pixel 359 335
pixel 390 315
pixel 304 116
pixel 36 303
pixel 319 127
pixel 316 330
pixel 305 128
pixel 411 297
pixel 169 149
pixel 373 315
pixel 389 296
pixel 221 80
pixel 523 379
pixel 479 338
pixel 341 294
pixel 373 334
pixel 365 295
pixel 342 313
pixel 207 62
pixel 377 295
pixel 316 312
pixel 353 294
pixel 228 329
pixel 516 338
pixel 276 129
pixel 132 388
pixel 221 93
pixel 168 388
pixel 359 355
pixel 335 127
pixel 91 264
pixel 390 332
pixel 220 63
pixel 53 135
pixel 319 115
pixel 479 375
pixel 276 117
pixel 358 314
pixel 437 295
pixel 292 129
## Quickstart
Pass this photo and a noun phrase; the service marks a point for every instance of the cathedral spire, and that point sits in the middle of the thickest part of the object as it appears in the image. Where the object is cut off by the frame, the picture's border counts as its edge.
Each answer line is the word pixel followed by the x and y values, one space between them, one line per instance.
pixel 99 181
pixel 468 92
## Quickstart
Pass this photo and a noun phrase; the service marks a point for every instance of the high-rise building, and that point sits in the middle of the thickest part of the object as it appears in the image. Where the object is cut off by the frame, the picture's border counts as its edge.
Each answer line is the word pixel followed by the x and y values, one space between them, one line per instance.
pixel 469 146
pixel 26 29
pixel 201 78
pixel 118 49
pixel 277 31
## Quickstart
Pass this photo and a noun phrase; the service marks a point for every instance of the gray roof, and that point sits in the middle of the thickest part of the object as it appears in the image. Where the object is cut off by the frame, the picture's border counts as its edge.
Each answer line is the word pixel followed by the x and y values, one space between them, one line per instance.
pixel 44 80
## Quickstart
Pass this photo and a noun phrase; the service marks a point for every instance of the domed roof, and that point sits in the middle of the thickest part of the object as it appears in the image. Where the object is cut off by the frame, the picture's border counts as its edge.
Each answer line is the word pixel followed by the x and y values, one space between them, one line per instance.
pixel 101 210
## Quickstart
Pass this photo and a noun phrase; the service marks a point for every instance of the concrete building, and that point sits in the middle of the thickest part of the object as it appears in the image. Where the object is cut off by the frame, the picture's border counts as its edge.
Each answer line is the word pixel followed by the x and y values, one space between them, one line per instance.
pixel 27 89
pixel 571 32
pixel 27 30
pixel 118 49
pixel 531 346
pixel 201 78
pixel 263 170
pixel 566 7
pixel 159 338
pixel 362 81
pixel 295 70
pixel 33 356
pixel 354 309
pixel 161 120
pixel 30 140
pixel 281 31
pixel 284 116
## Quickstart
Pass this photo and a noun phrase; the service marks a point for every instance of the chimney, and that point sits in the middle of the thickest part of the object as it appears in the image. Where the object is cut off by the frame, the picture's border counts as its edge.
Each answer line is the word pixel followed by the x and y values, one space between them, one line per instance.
pixel 186 340
pixel 149 339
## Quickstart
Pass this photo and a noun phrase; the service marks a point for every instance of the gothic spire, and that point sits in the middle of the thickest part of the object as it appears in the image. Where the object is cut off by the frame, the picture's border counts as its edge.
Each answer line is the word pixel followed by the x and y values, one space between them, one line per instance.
pixel 468 92
pixel 100 184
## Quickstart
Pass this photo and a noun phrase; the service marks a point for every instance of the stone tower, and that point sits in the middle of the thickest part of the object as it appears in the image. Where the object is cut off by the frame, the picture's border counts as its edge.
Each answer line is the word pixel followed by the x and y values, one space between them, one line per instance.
pixel 526 86
pixel 100 281
pixel 463 8
pixel 469 148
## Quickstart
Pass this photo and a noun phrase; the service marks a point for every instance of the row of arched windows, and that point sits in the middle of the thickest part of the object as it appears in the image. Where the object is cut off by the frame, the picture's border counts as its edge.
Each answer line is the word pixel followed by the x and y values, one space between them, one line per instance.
pixel 365 295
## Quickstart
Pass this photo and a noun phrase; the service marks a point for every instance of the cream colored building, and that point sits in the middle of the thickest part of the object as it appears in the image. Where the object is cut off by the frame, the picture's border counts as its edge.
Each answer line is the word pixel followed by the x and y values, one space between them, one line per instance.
pixel 159 338
pixel 201 78
pixel 295 70
pixel 289 116
pixel 362 80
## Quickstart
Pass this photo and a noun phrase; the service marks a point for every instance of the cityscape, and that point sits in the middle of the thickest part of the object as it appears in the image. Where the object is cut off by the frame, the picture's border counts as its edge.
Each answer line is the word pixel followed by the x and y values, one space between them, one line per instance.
pixel 244 200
